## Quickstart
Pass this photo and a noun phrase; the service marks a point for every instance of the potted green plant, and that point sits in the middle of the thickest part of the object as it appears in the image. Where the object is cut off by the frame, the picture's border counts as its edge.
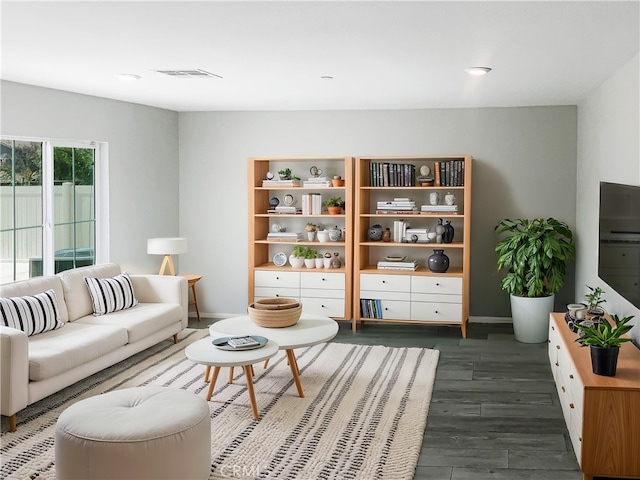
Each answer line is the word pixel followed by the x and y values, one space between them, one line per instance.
pixel 296 259
pixel 604 342
pixel 534 253
pixel 285 174
pixel 311 231
pixel 334 205
pixel 310 257
pixel 594 300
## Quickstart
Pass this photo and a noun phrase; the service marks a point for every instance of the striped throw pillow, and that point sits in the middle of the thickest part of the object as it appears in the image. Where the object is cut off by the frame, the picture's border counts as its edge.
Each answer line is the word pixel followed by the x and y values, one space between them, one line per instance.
pixel 32 314
pixel 111 294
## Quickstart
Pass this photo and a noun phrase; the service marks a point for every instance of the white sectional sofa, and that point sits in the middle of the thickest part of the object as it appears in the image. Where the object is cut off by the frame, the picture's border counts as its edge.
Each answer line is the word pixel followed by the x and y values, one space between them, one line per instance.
pixel 36 366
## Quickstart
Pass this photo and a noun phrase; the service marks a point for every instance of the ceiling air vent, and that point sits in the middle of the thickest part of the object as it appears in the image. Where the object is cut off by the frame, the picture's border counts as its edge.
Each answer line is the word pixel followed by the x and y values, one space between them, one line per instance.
pixel 198 73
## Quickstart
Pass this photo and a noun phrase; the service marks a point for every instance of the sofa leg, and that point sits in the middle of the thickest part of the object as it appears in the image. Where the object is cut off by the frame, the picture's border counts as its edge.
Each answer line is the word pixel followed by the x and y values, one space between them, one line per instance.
pixel 175 338
pixel 12 422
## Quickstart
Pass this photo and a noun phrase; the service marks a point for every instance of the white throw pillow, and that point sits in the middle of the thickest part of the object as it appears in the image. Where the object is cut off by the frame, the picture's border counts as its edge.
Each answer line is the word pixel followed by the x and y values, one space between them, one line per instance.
pixel 32 314
pixel 111 294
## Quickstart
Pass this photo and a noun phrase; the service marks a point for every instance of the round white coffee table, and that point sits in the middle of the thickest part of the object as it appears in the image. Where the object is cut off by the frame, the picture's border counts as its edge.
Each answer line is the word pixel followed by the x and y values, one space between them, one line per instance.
pixel 205 353
pixel 310 330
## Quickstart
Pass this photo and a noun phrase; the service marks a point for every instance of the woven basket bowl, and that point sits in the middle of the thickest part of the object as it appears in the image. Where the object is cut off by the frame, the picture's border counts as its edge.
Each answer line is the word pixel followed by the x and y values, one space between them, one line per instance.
pixel 276 303
pixel 275 318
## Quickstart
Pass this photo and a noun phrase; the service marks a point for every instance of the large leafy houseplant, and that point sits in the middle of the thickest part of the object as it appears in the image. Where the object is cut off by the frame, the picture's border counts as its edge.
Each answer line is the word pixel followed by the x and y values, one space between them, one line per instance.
pixel 535 254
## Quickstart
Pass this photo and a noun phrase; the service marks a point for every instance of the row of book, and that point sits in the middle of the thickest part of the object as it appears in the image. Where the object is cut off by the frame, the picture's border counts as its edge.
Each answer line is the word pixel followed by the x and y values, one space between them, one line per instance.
pixel 284 236
pixel 316 182
pixel 449 173
pixel 311 204
pixel 370 308
pixel 383 174
pixel 399 230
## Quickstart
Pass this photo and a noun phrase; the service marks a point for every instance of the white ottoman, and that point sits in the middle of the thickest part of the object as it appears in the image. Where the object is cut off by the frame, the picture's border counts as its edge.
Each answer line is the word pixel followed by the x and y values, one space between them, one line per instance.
pixel 135 433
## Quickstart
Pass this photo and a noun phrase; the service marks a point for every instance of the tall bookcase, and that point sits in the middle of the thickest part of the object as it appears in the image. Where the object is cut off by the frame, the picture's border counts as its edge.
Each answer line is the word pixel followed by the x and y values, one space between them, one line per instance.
pixel 323 291
pixel 411 296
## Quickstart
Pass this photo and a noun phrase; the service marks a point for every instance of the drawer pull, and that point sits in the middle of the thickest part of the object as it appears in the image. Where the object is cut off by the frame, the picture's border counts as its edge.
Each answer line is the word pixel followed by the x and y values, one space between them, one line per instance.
pixel 386 309
pixel 557 347
pixel 277 278
pixel 552 327
pixel 557 364
pixel 437 284
pixel 323 280
pixel 277 294
pixel 571 376
pixel 436 312
pixel 571 405
pixel 563 390
pixel 384 281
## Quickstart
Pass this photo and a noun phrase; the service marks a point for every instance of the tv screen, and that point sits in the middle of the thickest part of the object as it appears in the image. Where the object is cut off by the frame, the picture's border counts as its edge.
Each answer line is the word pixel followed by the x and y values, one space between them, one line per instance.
pixel 619 246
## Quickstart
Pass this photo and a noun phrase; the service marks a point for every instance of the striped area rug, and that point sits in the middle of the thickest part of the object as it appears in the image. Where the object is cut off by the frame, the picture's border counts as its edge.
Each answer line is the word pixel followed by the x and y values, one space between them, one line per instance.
pixel 362 417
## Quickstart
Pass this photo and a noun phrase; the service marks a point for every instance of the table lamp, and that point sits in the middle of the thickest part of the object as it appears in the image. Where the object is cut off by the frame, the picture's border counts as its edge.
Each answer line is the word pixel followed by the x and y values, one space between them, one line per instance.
pixel 167 246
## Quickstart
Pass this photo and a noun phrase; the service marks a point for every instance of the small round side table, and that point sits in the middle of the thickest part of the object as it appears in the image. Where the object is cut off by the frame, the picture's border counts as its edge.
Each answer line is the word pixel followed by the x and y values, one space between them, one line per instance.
pixel 191 285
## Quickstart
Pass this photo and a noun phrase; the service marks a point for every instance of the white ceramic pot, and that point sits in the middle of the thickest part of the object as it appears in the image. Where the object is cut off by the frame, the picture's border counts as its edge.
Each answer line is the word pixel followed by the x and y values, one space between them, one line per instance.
pixel 531 318
pixel 318 262
pixel 323 236
pixel 311 236
pixel 310 262
pixel 326 262
pixel 296 262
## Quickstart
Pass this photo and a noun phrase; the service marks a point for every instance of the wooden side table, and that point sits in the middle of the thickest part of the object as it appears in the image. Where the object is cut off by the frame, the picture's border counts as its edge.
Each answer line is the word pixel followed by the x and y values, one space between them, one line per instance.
pixel 191 284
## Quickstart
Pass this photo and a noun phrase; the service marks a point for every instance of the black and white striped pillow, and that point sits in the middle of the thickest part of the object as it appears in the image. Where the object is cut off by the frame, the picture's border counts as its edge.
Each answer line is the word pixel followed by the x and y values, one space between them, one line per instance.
pixel 32 314
pixel 111 294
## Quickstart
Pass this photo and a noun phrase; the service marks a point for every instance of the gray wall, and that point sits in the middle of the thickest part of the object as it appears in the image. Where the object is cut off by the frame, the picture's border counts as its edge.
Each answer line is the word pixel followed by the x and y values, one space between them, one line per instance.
pixel 608 150
pixel 143 164
pixel 524 166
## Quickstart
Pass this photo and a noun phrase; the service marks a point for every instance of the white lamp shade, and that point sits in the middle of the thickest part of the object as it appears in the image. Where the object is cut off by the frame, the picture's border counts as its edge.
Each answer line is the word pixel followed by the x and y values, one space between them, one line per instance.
pixel 167 246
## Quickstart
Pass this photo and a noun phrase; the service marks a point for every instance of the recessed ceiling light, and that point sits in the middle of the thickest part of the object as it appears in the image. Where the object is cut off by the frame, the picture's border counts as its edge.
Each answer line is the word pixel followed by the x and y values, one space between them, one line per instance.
pixel 477 71
pixel 127 77
pixel 326 77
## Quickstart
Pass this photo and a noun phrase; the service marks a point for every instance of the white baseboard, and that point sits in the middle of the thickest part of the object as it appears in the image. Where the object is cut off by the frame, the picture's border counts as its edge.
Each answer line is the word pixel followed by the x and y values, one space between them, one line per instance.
pixel 490 320
pixel 476 319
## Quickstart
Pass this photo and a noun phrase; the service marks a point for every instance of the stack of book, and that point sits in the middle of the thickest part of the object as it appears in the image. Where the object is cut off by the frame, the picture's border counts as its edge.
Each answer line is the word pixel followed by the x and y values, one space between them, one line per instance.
pixel 312 182
pixel 311 204
pixel 439 208
pixel 405 264
pixel 399 230
pixel 284 236
pixel 286 209
pixel 397 205
pixel 280 183
pixel 243 343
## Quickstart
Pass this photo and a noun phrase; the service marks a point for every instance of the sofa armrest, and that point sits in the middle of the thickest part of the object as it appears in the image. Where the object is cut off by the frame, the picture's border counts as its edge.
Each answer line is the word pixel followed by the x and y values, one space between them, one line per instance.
pixel 14 370
pixel 162 289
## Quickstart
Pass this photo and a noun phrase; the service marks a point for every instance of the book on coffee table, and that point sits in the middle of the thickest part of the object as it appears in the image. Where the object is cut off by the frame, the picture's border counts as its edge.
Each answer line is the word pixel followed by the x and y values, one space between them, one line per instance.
pixel 239 343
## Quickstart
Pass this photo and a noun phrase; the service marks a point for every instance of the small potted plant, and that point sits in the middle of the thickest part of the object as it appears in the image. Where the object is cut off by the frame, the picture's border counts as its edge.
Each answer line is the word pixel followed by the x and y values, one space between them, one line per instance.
pixel 334 205
pixel 311 231
pixel 594 301
pixel 337 181
pixel 310 257
pixel 285 174
pixel 296 259
pixel 604 342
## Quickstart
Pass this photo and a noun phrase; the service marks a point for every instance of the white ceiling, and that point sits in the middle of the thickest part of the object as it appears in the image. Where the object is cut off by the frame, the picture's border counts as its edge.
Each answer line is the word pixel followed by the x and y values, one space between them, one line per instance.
pixel 272 55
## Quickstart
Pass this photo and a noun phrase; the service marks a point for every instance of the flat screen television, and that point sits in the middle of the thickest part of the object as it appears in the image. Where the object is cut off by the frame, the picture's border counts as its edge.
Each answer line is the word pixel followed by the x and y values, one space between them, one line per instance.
pixel 619 245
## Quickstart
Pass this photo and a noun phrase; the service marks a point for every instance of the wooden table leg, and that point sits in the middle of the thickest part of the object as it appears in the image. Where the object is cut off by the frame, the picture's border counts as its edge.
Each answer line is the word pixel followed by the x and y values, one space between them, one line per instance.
pixel 216 370
pixel 230 376
pixel 195 300
pixel 266 363
pixel 206 373
pixel 252 396
pixel 294 370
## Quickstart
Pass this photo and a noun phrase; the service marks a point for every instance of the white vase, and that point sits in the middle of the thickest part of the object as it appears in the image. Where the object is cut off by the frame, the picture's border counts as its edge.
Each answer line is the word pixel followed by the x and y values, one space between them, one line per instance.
pixel 531 318
pixel 311 236
pixel 296 262
pixel 323 236
pixel 310 262
pixel 326 262
pixel 318 262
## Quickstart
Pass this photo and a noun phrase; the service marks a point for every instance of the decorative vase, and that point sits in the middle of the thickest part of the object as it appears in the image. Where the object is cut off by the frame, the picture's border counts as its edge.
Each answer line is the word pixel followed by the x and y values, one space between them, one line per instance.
pixel 438 262
pixel 450 199
pixel 323 236
pixel 326 261
pixel 434 198
pixel 375 233
pixel 335 261
pixel 386 235
pixel 319 262
pixel 311 236
pixel 604 361
pixel 447 235
pixel 335 234
pixel 439 231
pixel 310 262
pixel 296 262
pixel 334 210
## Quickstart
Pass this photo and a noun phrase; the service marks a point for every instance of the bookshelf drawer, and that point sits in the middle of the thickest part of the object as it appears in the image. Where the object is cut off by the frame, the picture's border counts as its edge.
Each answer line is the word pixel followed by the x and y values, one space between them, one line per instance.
pixel 436 312
pixel 321 293
pixel 271 292
pixel 323 280
pixel 372 294
pixel 268 278
pixel 435 298
pixel 446 285
pixel 330 307
pixel 385 283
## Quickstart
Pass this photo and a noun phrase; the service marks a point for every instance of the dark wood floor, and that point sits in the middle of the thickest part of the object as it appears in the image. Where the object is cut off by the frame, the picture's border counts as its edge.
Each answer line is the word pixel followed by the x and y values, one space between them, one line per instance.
pixel 494 410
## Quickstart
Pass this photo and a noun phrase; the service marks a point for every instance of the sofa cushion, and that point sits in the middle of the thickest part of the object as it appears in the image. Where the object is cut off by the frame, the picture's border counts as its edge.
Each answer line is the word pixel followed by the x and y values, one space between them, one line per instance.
pixel 141 320
pixel 76 293
pixel 33 314
pixel 58 351
pixel 38 285
pixel 111 294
